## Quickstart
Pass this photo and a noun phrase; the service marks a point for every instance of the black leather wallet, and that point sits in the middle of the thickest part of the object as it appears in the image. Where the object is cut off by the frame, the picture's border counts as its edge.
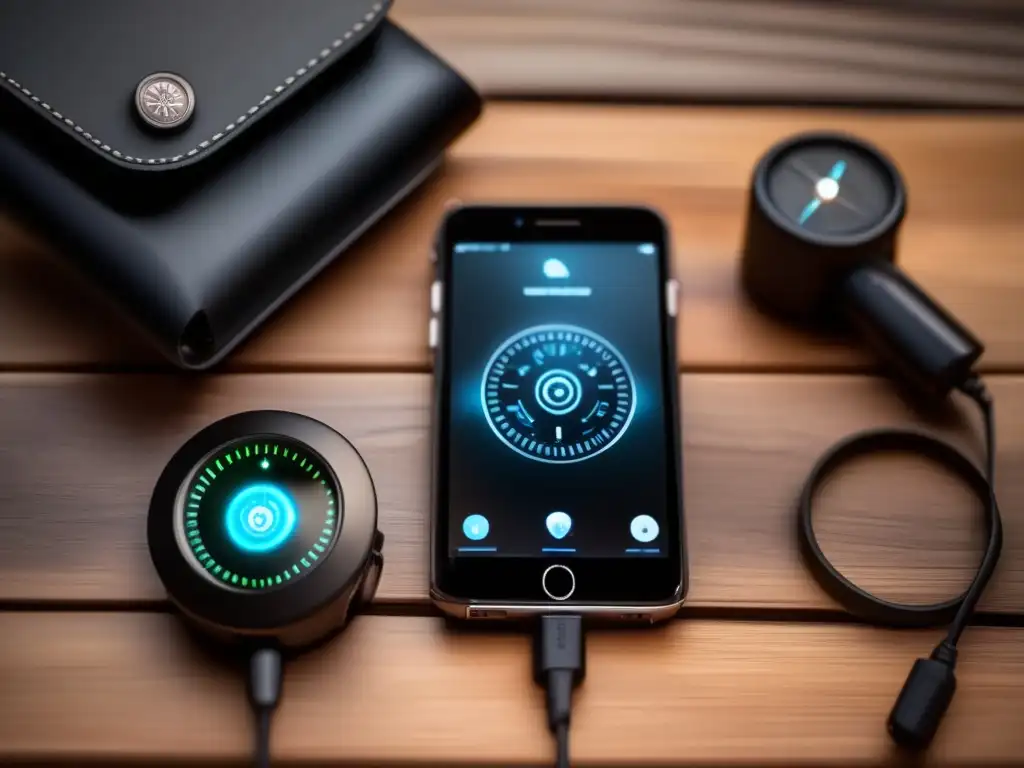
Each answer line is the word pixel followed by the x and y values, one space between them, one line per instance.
pixel 201 160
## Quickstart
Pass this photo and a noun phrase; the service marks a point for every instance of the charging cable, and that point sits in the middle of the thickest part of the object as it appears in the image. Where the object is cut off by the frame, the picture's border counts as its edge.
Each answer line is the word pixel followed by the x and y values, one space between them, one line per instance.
pixel 559 665
pixel 265 673
pixel 928 690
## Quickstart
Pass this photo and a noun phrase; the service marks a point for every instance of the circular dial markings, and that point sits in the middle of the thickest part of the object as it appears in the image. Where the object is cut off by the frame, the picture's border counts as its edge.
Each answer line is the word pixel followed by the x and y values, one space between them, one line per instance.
pixel 260 512
pixel 558 394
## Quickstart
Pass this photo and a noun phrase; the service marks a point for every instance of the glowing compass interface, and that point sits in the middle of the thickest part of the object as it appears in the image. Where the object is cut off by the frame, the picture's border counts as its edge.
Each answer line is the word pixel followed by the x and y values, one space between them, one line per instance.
pixel 830 188
pixel 558 393
pixel 260 512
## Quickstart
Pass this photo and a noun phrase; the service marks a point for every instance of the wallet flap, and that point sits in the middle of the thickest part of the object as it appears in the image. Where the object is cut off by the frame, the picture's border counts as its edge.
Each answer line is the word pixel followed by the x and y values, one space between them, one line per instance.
pixel 160 84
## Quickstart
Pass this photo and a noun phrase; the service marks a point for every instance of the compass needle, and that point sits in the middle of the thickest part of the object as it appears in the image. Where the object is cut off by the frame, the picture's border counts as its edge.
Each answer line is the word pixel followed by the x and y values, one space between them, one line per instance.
pixel 809 210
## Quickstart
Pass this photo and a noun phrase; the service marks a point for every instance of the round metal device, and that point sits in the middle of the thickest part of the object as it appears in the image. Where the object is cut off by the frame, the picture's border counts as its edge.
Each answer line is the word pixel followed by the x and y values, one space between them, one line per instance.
pixel 264 525
pixel 821 204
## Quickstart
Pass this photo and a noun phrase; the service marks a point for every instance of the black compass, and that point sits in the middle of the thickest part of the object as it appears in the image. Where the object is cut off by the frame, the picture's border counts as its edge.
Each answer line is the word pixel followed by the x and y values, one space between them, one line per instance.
pixel 558 394
pixel 821 205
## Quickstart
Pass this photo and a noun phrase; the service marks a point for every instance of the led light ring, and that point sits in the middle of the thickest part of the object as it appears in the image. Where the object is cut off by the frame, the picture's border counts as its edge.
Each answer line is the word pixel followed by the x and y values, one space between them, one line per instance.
pixel 298 605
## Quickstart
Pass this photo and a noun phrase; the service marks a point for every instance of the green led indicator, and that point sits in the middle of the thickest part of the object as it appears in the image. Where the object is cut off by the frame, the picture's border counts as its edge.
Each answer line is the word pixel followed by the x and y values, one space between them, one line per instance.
pixel 226 575
pixel 201 488
pixel 318 548
pixel 195 496
pixel 220 466
pixel 193 505
pixel 326 532
pixel 303 463
pixel 277 580
pixel 256 450
pixel 245 582
pixel 265 464
pixel 305 563
pixel 238 455
pixel 287 576
pixel 312 555
pixel 275 450
pixel 247 451
pixel 262 583
pixel 316 475
pixel 211 473
pixel 296 569
pixel 192 523
pixel 192 513
pixel 204 479
pixel 201 548
pixel 234 578
pixel 295 456
pixel 284 452
pixel 217 569
pixel 227 457
pixel 266 449
pixel 324 540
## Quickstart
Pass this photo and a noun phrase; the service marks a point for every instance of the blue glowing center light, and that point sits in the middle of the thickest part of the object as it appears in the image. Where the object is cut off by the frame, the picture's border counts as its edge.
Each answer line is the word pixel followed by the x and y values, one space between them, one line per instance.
pixel 260 518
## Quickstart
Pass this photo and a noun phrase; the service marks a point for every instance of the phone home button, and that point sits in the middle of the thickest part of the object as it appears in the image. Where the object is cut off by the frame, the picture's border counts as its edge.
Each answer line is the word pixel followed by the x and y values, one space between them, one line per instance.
pixel 558 582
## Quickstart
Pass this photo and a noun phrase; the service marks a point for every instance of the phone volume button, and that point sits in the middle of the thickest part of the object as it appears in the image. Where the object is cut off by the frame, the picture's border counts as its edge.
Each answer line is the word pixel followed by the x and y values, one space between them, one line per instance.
pixel 436 297
pixel 432 333
pixel 672 297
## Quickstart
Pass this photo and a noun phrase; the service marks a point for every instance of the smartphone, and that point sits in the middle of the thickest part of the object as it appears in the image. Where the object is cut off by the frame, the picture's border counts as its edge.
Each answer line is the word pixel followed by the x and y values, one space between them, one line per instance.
pixel 557 469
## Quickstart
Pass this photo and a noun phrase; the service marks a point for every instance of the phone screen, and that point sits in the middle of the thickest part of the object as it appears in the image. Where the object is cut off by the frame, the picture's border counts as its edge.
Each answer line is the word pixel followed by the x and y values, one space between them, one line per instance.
pixel 558 408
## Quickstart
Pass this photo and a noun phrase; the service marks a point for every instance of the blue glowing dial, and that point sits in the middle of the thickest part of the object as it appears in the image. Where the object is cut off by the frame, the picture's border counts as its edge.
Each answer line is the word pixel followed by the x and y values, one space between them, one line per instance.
pixel 558 394
pixel 260 512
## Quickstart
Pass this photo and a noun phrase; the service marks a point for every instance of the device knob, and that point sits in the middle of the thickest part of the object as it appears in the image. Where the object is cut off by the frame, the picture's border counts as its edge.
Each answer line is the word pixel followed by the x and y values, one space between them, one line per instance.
pixel 820 206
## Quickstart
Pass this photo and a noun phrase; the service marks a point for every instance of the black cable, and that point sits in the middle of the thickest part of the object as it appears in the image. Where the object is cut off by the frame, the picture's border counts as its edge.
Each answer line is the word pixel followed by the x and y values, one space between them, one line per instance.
pixel 931 684
pixel 265 673
pixel 559 665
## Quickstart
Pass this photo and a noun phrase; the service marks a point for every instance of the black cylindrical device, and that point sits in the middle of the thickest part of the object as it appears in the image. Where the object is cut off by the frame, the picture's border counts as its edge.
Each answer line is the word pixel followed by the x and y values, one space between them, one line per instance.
pixel 820 249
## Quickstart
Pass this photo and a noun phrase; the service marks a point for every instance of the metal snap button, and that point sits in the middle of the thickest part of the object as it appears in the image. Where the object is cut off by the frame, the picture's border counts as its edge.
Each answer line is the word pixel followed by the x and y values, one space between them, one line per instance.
pixel 164 100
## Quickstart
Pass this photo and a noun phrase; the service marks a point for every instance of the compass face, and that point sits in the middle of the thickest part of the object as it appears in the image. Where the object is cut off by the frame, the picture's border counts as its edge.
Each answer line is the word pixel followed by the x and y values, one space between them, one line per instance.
pixel 558 394
pixel 831 188
pixel 259 513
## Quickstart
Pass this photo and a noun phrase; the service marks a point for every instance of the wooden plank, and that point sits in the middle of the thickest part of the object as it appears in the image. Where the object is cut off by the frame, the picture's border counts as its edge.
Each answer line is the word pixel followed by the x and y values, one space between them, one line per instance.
pixel 79 455
pixel 401 690
pixel 963 52
pixel 960 241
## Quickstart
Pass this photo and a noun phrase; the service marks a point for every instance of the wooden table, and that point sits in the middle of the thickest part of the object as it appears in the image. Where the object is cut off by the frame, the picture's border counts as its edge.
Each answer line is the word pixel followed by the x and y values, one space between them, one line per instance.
pixel 760 668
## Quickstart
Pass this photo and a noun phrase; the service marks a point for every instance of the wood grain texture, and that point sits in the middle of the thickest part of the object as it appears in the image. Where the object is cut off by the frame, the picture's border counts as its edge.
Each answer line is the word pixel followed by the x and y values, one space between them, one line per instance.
pixel 961 240
pixel 963 52
pixel 405 690
pixel 80 455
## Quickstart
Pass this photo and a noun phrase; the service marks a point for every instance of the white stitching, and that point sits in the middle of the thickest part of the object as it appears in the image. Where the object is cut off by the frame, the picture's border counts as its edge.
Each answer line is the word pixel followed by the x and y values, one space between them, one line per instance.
pixel 288 81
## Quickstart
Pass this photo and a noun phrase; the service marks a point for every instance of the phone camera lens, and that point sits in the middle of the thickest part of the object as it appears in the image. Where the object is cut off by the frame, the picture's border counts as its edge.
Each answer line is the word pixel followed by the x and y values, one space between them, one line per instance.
pixel 519 222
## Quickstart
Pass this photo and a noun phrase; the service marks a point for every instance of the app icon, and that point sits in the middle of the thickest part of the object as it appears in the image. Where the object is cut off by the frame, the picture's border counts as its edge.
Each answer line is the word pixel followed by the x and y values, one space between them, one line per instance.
pixel 555 270
pixel 644 528
pixel 559 524
pixel 476 527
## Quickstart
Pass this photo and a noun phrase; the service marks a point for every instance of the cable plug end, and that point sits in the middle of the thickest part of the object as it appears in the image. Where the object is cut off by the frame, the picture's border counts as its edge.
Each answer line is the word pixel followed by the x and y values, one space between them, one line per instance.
pixel 559 665
pixel 926 695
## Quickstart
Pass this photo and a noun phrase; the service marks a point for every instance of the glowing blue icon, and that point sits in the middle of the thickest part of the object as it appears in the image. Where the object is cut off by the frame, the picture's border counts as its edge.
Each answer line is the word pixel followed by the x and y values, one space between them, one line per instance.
pixel 476 527
pixel 559 524
pixel 644 528
pixel 647 249
pixel 555 270
pixel 825 191
pixel 265 464
pixel 260 518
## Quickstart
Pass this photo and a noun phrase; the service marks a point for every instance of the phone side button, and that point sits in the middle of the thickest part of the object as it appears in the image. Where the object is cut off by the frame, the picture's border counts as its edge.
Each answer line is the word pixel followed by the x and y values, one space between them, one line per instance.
pixel 435 297
pixel 432 333
pixel 672 297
